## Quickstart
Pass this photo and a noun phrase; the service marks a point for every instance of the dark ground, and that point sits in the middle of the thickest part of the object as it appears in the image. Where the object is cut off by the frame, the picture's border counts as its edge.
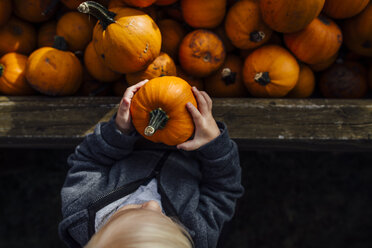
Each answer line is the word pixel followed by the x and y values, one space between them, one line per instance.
pixel 292 199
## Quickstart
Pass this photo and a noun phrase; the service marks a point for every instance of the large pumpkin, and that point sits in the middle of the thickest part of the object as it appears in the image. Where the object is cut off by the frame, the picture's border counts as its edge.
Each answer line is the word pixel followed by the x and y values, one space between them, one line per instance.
pixel 344 80
pixel 288 16
pixel 172 34
pixel 34 10
pixel 270 71
pixel 159 113
pixel 96 68
pixel 244 25
pixel 201 53
pixel 228 80
pixel 46 33
pixel 340 9
pixel 163 65
pixel 305 85
pixel 54 70
pixel 17 36
pixel 5 11
pixel 126 39
pixel 77 29
pixel 203 14
pixel 12 75
pixel 357 32
pixel 319 41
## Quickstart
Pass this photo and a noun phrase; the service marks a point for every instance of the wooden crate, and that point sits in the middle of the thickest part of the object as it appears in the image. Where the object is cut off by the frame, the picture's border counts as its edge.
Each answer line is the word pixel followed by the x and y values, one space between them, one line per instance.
pixel 280 124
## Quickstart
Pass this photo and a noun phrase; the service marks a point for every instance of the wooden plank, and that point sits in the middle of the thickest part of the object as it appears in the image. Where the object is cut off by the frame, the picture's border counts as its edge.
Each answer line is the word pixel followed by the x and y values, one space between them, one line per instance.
pixel 280 124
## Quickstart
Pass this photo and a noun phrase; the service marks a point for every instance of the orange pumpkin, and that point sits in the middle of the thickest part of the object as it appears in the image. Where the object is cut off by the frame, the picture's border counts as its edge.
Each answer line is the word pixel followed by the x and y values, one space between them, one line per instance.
pixel 151 10
pixel 201 53
pixel 120 86
pixel 325 64
pixel 54 70
pixel 165 2
pixel 172 34
pixel 126 39
pixel 316 43
pixel 34 10
pixel 77 29
pixel 305 84
pixel 116 4
pixel 73 4
pixel 159 113
pixel 46 33
pixel 344 80
pixel 220 31
pixel 139 3
pixel 340 9
pixel 228 80
pixel 5 11
pixel 12 75
pixel 193 81
pixel 244 25
pixel 96 68
pixel 203 14
pixel 17 36
pixel 163 65
pixel 270 71
pixel 288 16
pixel 357 32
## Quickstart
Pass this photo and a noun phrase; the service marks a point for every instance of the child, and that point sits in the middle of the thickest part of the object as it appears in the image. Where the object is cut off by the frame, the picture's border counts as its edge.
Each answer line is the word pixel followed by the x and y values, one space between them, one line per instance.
pixel 119 195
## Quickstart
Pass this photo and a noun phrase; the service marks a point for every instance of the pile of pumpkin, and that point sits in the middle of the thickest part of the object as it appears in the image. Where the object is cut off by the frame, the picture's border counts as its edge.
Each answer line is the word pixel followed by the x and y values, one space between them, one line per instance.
pixel 229 48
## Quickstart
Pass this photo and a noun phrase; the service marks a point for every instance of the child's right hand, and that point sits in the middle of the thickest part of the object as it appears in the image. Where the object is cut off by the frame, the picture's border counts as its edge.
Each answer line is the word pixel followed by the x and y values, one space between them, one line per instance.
pixel 123 119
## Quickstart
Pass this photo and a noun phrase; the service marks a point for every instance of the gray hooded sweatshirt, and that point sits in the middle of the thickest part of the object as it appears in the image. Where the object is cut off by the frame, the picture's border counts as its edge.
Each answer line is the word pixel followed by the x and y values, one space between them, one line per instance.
pixel 199 188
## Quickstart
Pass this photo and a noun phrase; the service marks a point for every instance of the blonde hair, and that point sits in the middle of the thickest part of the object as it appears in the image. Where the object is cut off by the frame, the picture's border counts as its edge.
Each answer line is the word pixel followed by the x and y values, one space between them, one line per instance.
pixel 141 228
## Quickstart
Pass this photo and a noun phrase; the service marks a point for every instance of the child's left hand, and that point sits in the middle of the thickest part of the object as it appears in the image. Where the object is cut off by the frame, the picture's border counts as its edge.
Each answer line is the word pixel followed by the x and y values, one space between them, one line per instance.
pixel 206 128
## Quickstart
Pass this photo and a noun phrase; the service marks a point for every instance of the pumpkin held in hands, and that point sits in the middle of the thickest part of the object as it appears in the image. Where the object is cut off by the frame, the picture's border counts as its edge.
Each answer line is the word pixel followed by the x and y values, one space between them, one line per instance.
pixel 159 111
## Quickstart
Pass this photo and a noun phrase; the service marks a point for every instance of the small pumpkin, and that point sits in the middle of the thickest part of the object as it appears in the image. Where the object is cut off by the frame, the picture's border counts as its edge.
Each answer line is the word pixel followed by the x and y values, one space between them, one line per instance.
pixel 165 2
pixel 203 14
pixel 244 25
pixel 305 85
pixel 228 80
pixel 151 10
pixel 46 33
pixel 5 11
pixel 34 10
pixel 159 113
pixel 220 31
pixel 316 43
pixel 288 16
pixel 139 3
pixel 127 40
pixel 12 75
pixel 77 29
pixel 17 36
pixel 357 32
pixel 201 53
pixel 340 9
pixel 54 70
pixel 163 65
pixel 96 68
pixel 325 64
pixel 344 80
pixel 172 33
pixel 73 4
pixel 193 81
pixel 270 71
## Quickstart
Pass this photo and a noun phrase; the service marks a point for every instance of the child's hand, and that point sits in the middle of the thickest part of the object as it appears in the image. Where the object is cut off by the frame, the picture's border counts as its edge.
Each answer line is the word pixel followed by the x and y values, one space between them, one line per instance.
pixel 206 128
pixel 123 119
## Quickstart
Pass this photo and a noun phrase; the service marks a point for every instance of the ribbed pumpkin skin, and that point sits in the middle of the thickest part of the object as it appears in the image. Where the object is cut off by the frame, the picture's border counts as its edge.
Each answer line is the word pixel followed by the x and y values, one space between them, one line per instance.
pixel 316 43
pixel 357 32
pixel 172 34
pixel 282 67
pixel 5 11
pixel 54 72
pixel 171 94
pixel 13 75
pixel 305 84
pixel 340 9
pixel 130 44
pixel 46 33
pixel 203 13
pixel 33 10
pixel 288 16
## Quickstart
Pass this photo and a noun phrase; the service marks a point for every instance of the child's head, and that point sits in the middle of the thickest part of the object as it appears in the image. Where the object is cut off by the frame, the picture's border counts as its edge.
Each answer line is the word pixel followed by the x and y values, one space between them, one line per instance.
pixel 142 226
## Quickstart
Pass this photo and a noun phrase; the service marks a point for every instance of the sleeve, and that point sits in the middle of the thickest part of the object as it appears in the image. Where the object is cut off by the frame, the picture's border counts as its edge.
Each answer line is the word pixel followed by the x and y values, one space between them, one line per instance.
pixel 221 184
pixel 90 164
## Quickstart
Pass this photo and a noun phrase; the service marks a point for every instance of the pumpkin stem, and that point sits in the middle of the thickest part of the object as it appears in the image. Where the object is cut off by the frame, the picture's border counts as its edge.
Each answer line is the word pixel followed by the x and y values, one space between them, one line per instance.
pixel 158 119
pixel 104 16
pixel 1 69
pixel 262 78
pixel 257 36
pixel 228 76
pixel 60 43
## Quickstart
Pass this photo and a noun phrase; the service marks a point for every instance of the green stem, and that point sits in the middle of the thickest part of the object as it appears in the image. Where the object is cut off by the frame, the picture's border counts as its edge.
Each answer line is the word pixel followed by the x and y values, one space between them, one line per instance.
pixel 1 69
pixel 158 120
pixel 104 16
pixel 262 78
pixel 60 43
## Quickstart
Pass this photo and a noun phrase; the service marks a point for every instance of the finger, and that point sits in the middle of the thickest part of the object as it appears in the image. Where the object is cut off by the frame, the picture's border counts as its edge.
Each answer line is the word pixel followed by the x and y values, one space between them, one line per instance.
pixel 202 104
pixel 207 99
pixel 129 93
pixel 188 145
pixel 195 114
